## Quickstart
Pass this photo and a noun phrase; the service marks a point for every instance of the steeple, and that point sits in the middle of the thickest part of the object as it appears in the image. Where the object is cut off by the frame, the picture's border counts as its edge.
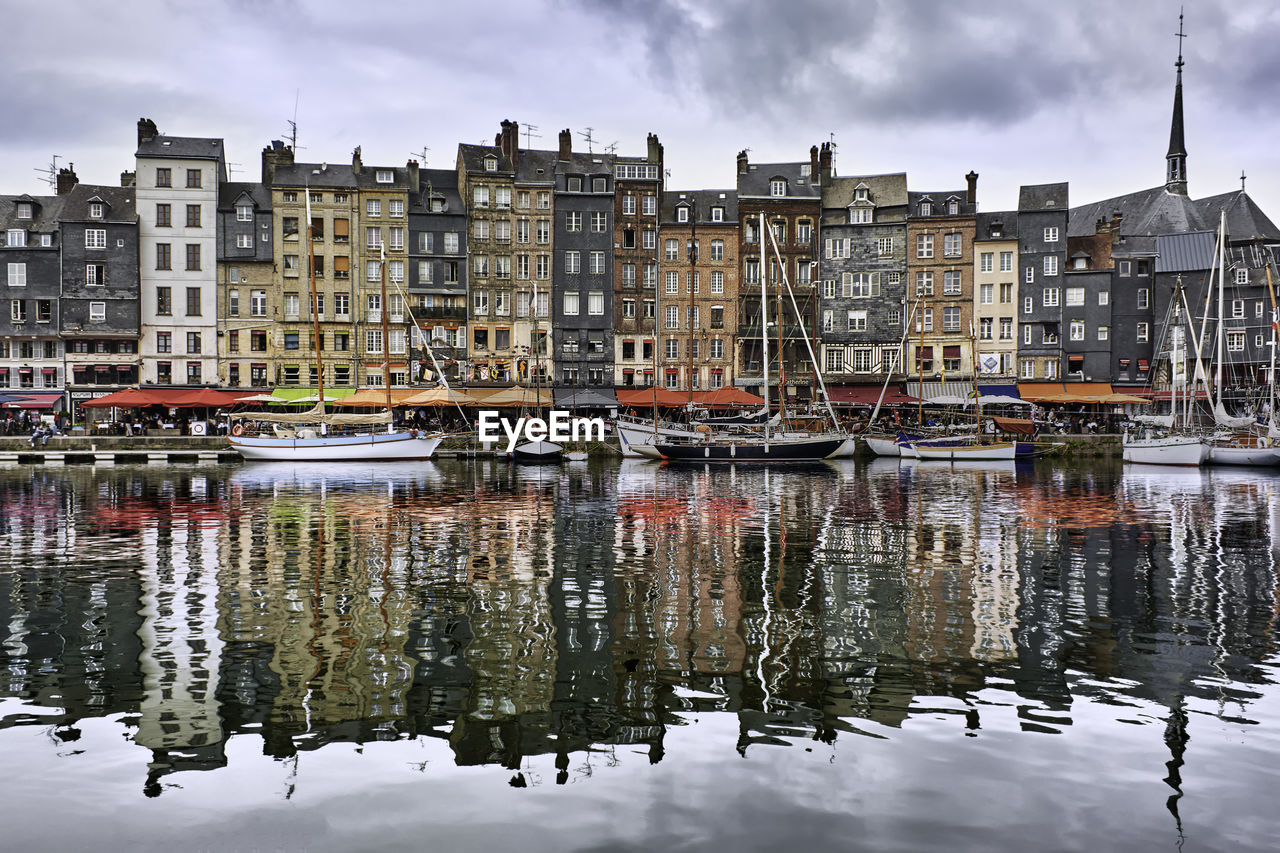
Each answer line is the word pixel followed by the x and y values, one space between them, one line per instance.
pixel 1176 160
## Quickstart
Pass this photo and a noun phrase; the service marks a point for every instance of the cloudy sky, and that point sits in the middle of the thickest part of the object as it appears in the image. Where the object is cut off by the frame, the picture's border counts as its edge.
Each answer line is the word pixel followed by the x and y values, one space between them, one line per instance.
pixel 1020 92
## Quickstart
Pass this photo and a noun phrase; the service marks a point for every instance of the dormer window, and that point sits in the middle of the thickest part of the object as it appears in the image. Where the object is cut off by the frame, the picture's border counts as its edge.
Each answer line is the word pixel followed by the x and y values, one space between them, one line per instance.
pixel 860 193
pixel 24 210
pixel 95 210
pixel 384 176
pixel 244 213
pixel 491 164
pixel 777 187
pixel 953 208
pixel 926 208
pixel 860 215
pixel 437 205
pixel 717 214
pixel 682 214
pixel 574 185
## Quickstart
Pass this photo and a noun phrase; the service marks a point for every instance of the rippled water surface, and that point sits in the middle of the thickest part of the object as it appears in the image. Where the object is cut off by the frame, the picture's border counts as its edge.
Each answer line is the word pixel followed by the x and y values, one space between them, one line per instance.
pixel 474 656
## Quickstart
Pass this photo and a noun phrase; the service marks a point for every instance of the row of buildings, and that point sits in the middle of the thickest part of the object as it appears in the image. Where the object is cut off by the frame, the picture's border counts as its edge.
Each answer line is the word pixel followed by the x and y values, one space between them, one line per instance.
pixel 587 270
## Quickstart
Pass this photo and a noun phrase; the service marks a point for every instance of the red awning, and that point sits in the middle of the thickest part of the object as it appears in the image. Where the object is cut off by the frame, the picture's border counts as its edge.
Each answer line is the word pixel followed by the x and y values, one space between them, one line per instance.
pixel 867 395
pixel 647 397
pixel 726 397
pixel 178 398
pixel 34 401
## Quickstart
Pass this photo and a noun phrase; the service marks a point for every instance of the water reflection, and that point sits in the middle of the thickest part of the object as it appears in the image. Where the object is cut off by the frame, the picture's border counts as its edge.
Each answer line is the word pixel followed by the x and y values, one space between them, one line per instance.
pixel 513 614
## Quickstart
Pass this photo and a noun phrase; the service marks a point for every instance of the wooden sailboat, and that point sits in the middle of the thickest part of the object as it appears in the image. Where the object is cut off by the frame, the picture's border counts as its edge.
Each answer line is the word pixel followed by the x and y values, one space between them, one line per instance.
pixel 766 448
pixel 309 436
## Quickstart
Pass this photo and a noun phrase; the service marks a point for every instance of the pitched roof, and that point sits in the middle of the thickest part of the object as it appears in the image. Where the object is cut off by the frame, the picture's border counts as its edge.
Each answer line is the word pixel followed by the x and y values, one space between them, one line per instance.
pixel 119 201
pixel 1145 212
pixel 1188 252
pixel 182 147
pixel 1043 197
pixel 443 183
pixel 536 166
pixel 322 175
pixel 939 199
pixel 997 225
pixel 703 201
pixel 45 212
pixel 884 190
pixel 1245 220
pixel 755 182
pixel 231 191
pixel 472 157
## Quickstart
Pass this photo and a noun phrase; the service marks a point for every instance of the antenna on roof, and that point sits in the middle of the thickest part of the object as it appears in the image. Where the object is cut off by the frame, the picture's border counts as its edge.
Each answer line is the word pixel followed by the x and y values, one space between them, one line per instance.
pixel 586 134
pixel 831 144
pixel 530 132
pixel 1242 180
pixel 421 155
pixel 49 174
pixel 231 171
pixel 293 123
pixel 611 148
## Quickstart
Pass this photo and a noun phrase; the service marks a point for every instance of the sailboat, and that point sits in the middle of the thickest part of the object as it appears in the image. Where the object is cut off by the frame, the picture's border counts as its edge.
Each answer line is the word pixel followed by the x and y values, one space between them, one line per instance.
pixel 1178 446
pixel 766 448
pixel 1237 444
pixel 307 437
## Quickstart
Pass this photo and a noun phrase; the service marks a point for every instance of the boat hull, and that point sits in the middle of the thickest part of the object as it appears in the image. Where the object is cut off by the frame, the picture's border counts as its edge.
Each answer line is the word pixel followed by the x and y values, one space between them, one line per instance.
pixel 883 446
pixel 1174 450
pixel 1235 454
pixel 633 436
pixel 1002 451
pixel 377 447
pixel 537 451
pixel 813 450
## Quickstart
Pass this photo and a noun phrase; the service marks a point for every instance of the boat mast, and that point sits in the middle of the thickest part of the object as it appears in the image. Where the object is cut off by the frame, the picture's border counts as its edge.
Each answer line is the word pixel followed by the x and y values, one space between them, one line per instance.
pixel 764 336
pixel 782 367
pixel 920 361
pixel 1271 291
pixel 689 287
pixel 317 344
pixel 386 336
pixel 1222 272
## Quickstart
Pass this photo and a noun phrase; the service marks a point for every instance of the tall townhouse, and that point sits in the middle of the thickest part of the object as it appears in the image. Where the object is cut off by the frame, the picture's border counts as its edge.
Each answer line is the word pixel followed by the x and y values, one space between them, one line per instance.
pixel 100 313
pixel 699 233
pixel 1042 259
pixel 995 291
pixel 940 230
pixel 789 196
pixel 1086 309
pixel 535 186
pixel 862 270
pixel 486 178
pixel 246 285
pixel 638 193
pixel 438 273
pixel 334 196
pixel 30 348
pixel 176 194
pixel 383 216
pixel 582 274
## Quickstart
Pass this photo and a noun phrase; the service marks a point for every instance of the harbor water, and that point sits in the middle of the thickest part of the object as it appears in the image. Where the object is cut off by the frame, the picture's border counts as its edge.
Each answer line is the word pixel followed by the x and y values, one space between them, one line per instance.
pixel 471 655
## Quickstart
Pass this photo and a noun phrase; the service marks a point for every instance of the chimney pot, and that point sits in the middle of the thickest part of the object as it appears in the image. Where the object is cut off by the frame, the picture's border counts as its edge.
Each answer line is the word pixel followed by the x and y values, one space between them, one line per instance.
pixel 67 179
pixel 742 162
pixel 971 197
pixel 566 144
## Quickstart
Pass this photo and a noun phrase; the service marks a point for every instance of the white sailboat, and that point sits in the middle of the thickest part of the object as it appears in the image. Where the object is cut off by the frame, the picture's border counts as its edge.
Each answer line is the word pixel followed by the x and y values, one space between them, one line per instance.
pixel 1179 446
pixel 308 436
pixel 1237 444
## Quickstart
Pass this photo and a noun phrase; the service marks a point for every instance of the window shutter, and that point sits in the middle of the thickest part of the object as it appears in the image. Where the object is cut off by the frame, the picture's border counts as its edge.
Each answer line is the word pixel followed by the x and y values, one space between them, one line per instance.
pixel 875 284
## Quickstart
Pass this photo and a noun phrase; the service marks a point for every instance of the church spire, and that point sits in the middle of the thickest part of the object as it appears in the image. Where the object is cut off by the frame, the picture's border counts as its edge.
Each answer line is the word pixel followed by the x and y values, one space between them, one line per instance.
pixel 1176 159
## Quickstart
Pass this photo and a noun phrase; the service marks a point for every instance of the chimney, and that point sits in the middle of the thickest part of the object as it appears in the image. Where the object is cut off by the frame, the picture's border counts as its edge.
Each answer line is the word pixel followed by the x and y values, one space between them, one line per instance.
pixel 67 179
pixel 655 150
pixel 742 162
pixel 509 141
pixel 355 160
pixel 412 166
pixel 971 197
pixel 824 163
pixel 127 179
pixel 275 154
pixel 566 144
pixel 814 173
pixel 146 130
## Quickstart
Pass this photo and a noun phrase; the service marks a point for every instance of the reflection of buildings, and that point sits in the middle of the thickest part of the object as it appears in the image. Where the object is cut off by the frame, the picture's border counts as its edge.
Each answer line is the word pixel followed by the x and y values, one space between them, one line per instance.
pixel 522 612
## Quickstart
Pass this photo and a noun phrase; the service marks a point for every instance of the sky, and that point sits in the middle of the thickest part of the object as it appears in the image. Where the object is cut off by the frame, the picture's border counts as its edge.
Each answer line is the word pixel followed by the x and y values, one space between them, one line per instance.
pixel 1022 93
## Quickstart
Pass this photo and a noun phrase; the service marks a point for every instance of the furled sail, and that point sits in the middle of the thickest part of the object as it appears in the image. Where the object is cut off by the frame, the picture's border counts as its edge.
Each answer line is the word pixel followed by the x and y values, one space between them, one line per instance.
pixel 316 415
pixel 1223 419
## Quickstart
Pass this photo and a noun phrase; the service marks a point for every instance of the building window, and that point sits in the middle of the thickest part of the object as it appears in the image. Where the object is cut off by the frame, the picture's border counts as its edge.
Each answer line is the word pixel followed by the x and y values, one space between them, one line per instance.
pixel 193 256
pixel 1237 308
pixel 193 302
pixel 572 262
pixel 1051 265
pixel 857 321
pixel 672 317
pixel 951 282
pixel 1077 330
pixel 924 283
pixel 1104 333
pixel 97 312
pixel 193 179
pixel 1074 297
pixel 1051 235
pixel 1030 276
pixel 193 216
pixel 986 328
pixel 595 303
pixel 570 304
pixel 1006 262
pixel 1027 368
pixel 164 301
pixel 164 177
pixel 1051 297
pixel 951 246
pixel 1242 276
pixel 986 294
pixel 164 342
pixel 193 343
pixel 951 319
pixel 1026 335
pixel 17 275
pixel 1143 332
pixel 1006 328
pixel 777 187
pixel 1144 297
pixel 884 246
pixel 924 245
pixel 94 238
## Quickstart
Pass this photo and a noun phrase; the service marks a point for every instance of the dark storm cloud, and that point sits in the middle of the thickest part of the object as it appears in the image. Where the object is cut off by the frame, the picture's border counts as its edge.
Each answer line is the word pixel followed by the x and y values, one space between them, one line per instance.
pixel 903 61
